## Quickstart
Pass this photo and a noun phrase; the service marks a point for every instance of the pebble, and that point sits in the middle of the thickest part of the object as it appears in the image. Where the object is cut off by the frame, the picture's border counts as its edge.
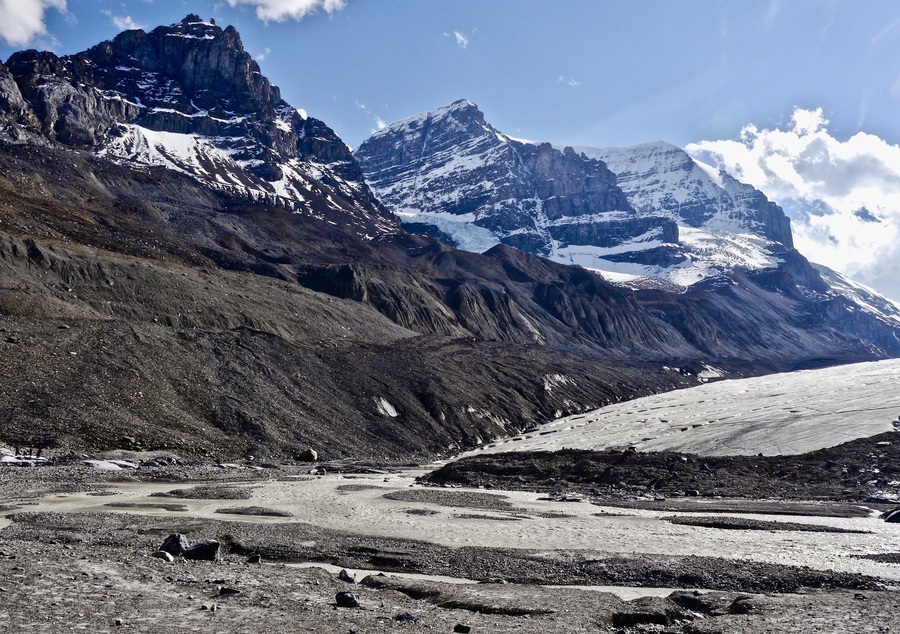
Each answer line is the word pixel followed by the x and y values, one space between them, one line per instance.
pixel 165 556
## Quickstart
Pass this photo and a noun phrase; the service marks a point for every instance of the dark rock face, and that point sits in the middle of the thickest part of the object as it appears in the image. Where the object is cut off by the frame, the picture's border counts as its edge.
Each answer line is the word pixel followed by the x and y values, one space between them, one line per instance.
pixel 207 550
pixel 452 161
pixel 346 600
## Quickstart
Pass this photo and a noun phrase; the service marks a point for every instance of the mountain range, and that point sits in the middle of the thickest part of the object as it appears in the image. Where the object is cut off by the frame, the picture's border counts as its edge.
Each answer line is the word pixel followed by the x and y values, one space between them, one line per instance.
pixel 189 263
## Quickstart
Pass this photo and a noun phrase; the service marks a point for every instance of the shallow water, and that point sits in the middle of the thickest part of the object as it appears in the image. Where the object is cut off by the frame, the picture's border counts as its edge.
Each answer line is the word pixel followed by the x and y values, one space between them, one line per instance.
pixel 570 526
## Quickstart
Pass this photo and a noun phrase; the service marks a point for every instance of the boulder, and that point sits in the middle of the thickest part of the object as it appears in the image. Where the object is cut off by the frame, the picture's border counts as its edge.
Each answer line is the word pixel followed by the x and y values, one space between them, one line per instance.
pixel 175 544
pixel 308 455
pixel 343 575
pixel 892 516
pixel 208 550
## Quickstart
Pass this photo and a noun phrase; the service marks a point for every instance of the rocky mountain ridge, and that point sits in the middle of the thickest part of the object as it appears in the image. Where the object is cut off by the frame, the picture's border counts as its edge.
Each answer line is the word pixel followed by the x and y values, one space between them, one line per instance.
pixel 665 220
pixel 648 210
pixel 450 166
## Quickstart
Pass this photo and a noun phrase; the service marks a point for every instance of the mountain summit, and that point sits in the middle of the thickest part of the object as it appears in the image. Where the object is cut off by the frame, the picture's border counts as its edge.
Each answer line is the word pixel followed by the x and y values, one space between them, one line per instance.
pixel 474 187
pixel 188 97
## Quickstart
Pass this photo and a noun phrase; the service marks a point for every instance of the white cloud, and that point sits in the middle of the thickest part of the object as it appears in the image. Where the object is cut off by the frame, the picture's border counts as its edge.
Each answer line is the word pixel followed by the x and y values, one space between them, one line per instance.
pixel 461 39
pixel 281 10
pixel 23 20
pixel 843 196
pixel 379 122
pixel 122 23
pixel 569 81
pixel 773 12
pixel 263 55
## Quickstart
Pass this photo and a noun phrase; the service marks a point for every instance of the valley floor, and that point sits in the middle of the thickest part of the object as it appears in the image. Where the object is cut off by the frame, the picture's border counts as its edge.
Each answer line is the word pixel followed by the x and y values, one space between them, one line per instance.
pixel 76 546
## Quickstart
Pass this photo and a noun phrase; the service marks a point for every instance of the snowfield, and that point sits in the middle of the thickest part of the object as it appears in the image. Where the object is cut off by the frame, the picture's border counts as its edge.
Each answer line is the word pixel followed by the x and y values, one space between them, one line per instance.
pixel 788 413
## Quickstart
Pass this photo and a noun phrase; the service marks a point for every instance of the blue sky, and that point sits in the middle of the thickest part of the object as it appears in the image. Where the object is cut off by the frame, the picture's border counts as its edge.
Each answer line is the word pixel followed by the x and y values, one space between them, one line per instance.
pixel 743 83
pixel 586 72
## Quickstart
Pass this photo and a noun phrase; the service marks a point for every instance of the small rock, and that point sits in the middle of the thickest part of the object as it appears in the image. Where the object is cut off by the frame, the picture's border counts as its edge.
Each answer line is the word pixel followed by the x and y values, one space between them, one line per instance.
pixel 692 492
pixel 308 455
pixel 175 544
pixel 119 623
pixel 343 575
pixel 406 617
pixel 254 559
pixel 13 339
pixel 164 555
pixel 459 628
pixel 346 600
pixel 225 592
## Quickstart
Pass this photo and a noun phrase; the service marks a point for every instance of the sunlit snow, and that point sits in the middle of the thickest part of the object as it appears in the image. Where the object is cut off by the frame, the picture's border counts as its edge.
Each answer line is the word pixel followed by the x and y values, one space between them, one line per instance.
pixel 776 414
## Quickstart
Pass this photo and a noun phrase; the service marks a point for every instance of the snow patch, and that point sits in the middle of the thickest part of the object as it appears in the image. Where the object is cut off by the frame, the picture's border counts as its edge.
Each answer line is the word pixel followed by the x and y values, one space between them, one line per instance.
pixel 556 380
pixel 385 408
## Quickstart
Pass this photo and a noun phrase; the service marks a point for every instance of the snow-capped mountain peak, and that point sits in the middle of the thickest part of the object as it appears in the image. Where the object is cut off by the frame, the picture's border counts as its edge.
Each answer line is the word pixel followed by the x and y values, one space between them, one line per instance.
pixel 650 210
pixel 451 173
pixel 188 97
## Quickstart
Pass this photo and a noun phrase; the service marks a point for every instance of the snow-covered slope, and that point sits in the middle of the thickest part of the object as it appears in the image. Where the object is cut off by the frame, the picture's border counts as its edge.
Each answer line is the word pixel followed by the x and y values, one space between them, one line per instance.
pixel 662 179
pixel 868 299
pixel 772 415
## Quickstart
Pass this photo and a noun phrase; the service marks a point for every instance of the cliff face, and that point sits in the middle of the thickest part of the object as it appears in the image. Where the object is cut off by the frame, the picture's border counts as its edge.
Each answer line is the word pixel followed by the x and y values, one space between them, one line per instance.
pixel 662 179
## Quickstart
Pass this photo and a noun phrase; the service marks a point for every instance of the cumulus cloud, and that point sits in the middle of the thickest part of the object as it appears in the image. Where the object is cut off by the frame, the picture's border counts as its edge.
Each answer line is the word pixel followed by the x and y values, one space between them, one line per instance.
pixel 843 196
pixel 281 10
pixel 23 20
